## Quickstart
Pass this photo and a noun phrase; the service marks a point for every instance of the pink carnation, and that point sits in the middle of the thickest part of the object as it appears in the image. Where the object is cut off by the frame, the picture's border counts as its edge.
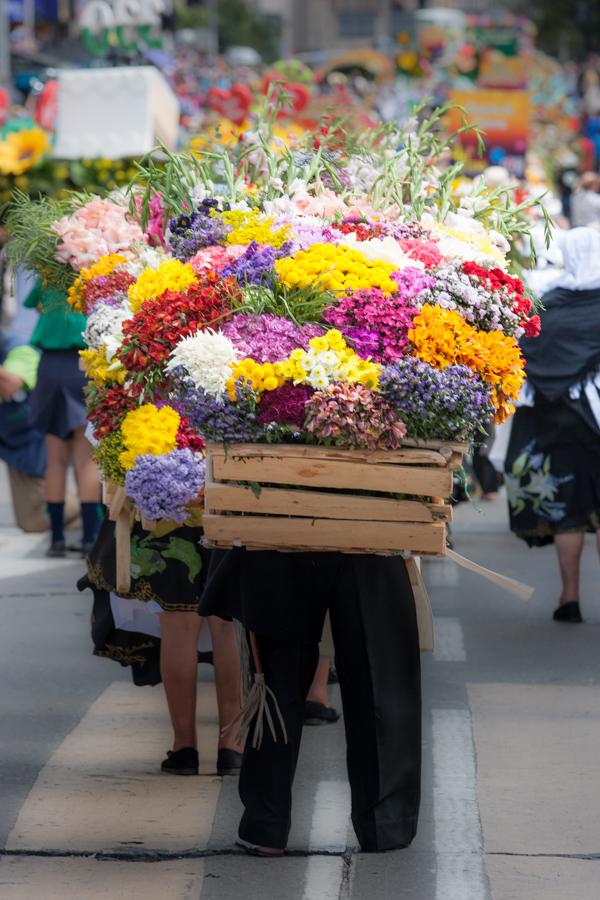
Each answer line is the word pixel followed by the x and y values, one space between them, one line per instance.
pixel 426 251
pixel 96 229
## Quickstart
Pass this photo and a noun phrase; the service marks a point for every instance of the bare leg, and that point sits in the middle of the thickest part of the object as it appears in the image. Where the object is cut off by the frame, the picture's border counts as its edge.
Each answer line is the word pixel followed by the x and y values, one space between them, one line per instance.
pixel 55 483
pixel 179 633
pixel 569 548
pixel 319 692
pixel 86 471
pixel 226 659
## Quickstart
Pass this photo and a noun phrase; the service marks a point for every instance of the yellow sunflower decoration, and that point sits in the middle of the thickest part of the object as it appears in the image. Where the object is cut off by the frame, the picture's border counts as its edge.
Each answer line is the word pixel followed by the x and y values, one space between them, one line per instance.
pixel 21 150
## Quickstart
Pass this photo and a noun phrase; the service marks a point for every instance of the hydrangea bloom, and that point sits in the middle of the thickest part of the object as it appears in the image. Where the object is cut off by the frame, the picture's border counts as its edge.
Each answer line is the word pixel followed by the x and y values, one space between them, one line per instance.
pixel 162 486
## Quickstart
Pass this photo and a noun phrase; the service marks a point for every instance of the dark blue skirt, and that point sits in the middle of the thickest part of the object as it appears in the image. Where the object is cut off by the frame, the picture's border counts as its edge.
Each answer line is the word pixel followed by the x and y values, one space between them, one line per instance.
pixel 57 402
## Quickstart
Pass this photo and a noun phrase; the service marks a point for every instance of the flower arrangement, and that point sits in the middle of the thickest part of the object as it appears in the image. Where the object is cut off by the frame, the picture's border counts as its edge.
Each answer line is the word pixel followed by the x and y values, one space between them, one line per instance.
pixel 334 295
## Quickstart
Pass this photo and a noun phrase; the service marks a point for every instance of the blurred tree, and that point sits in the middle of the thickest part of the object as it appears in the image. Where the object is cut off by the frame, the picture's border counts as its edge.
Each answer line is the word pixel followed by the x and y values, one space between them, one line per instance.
pixel 239 25
pixel 566 27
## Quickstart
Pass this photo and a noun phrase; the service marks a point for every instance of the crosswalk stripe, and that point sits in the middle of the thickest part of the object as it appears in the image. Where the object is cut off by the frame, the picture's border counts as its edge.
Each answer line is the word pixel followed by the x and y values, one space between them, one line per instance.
pixel 102 788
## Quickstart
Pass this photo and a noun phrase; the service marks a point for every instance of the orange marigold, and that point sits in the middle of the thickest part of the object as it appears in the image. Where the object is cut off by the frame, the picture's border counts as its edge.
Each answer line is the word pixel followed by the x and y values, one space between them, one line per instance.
pixel 441 337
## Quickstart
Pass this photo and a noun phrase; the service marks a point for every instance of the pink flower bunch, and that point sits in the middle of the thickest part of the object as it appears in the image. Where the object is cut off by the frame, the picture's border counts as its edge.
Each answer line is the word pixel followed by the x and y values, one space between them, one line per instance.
pixel 389 317
pixel 266 337
pixel 96 229
pixel 426 251
pixel 214 259
pixel 353 416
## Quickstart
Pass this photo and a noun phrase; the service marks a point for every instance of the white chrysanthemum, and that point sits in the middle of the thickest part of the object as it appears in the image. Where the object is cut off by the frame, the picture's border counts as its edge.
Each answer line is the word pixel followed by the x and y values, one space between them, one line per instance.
pixel 207 357
pixel 104 328
pixel 386 250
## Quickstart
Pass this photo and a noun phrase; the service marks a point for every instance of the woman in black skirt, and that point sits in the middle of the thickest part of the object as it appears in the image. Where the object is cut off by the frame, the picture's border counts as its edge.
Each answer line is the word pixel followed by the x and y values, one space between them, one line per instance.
pixel 281 599
pixel 58 411
pixel 553 460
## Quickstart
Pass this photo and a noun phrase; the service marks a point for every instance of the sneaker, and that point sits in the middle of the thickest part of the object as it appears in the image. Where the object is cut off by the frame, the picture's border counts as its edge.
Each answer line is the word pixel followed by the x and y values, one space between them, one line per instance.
pixel 181 762
pixel 56 550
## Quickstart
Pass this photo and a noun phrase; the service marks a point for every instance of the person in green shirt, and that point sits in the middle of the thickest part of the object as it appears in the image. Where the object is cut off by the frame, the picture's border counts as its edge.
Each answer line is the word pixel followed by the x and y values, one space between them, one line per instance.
pixel 58 411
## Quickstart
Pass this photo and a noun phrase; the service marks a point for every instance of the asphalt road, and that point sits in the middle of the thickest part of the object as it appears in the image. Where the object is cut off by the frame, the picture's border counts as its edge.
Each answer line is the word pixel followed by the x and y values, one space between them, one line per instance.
pixel 511 783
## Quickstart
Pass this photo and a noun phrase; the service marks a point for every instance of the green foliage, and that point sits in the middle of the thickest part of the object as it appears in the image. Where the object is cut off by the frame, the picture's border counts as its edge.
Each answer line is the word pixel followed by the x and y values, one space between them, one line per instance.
pixel 300 305
pixel 32 241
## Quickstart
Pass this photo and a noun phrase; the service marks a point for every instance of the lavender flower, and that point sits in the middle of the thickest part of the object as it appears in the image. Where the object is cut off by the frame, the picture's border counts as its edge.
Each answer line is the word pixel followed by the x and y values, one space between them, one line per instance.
pixel 447 404
pixel 162 486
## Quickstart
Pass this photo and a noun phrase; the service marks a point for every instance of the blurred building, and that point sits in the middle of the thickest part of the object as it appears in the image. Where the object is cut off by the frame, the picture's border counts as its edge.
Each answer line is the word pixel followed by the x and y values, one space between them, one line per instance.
pixel 317 25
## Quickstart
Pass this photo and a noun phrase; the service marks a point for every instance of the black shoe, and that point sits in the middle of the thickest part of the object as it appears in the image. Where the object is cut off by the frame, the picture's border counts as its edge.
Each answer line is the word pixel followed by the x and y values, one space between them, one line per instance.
pixel 319 714
pixel 568 612
pixel 181 762
pixel 56 550
pixel 229 762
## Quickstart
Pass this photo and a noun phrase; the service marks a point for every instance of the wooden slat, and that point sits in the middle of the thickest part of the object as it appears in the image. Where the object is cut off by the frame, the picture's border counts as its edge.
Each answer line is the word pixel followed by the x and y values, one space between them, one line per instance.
pixel 319 504
pixel 334 474
pixel 405 456
pixel 332 534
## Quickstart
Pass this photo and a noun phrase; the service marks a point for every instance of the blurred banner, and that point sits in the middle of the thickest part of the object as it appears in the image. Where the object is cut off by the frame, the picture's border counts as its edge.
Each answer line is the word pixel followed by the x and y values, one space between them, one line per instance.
pixel 504 116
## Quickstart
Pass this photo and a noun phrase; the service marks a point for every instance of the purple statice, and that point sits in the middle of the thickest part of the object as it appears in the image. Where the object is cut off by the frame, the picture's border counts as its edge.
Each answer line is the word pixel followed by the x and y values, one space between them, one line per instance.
pixel 116 300
pixel 305 234
pixel 255 266
pixel 219 418
pixel 162 486
pixel 191 232
pixel 446 404
pixel 267 337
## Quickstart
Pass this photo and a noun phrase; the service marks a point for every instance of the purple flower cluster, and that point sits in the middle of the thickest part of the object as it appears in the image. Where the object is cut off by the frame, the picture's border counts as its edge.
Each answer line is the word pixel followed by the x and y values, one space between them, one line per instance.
pixel 365 341
pixel 162 486
pixel 480 306
pixel 189 233
pixel 218 418
pixel 286 405
pixel 114 300
pixel 266 337
pixel 411 281
pixel 255 265
pixel 446 404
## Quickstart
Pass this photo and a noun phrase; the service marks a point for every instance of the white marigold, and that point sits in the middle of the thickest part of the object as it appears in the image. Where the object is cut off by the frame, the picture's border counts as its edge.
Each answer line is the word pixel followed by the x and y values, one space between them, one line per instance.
pixel 206 357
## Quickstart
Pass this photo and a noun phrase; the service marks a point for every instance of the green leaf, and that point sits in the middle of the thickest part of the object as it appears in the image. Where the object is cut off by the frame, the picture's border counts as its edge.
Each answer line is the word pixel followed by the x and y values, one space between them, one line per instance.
pixel 256 488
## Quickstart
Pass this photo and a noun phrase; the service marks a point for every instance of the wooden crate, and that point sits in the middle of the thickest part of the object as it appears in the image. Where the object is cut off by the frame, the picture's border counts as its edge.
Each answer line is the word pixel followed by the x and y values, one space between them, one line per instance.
pixel 289 497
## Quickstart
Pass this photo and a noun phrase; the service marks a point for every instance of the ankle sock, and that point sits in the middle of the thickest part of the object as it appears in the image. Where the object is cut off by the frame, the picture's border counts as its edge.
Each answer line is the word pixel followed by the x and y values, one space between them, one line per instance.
pixel 56 513
pixel 90 516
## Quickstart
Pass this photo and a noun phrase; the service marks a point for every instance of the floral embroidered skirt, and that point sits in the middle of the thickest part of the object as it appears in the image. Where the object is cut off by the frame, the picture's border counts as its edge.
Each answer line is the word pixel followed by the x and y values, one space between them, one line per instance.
pixel 552 473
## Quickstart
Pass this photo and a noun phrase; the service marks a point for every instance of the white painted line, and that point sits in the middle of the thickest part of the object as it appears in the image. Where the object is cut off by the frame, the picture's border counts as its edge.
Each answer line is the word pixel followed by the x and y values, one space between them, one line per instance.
pixel 323 878
pixel 458 839
pixel 329 828
pixel 449 644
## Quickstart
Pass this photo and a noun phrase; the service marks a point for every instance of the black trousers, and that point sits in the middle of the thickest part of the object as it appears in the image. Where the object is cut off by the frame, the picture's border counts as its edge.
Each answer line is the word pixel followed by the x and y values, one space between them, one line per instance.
pixel 377 659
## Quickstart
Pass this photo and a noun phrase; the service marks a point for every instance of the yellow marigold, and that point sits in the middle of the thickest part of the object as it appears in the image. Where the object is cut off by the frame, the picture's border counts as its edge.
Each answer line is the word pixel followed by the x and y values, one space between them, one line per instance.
pixel 104 266
pixel 253 226
pixel 441 337
pixel 261 377
pixel 171 275
pixel 339 269
pixel 99 369
pixel 148 430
